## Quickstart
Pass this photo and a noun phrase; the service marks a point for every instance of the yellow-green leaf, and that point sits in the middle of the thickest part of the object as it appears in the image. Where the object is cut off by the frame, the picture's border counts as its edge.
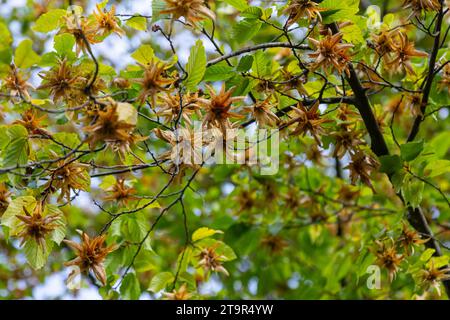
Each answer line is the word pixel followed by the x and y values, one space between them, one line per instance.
pixel 144 54
pixel 138 23
pixel 160 281
pixel 15 208
pixel 196 66
pixel 49 21
pixel 5 35
pixel 204 232
pixel 25 56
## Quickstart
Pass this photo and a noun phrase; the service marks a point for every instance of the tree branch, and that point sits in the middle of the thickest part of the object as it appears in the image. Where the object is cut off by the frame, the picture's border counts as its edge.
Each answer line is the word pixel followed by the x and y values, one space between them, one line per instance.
pixel 257 47
pixel 415 215
pixel 428 82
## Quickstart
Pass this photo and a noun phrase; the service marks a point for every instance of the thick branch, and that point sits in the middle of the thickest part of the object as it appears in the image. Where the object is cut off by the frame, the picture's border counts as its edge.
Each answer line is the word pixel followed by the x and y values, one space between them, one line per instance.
pixel 415 216
pixel 378 144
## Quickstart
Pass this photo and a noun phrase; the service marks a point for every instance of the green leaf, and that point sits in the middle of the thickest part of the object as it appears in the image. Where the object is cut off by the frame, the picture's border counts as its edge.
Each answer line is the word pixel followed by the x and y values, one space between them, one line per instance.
pixel 49 21
pixel 245 63
pixel 59 233
pixel 226 251
pixel 15 208
pixel 437 167
pixel 157 7
pixel 130 289
pixel 245 29
pixel 204 232
pixel 252 13
pixel 241 5
pixel 145 261
pixel 412 191
pixel 243 84
pixel 427 254
pixel 221 248
pixel 35 254
pixel 69 139
pixel 160 281
pixel 49 59
pixel 196 66
pixel 440 262
pixel 439 145
pixel 106 70
pixel 144 54
pixel 6 36
pixel 5 58
pixel 397 180
pixel 16 152
pixel 25 56
pixel 337 10
pixel 63 44
pixel 261 64
pixel 107 182
pixel 186 255
pixel 137 228
pixel 218 72
pixel 138 23
pixel 17 132
pixel 390 164
pixel 353 34
pixel 411 150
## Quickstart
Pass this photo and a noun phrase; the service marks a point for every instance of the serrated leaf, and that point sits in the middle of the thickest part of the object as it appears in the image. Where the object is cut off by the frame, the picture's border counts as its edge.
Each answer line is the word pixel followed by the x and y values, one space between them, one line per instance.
pixel 353 34
pixel 36 255
pixel 246 29
pixel 157 7
pixel 160 281
pixel 204 232
pixel 59 233
pixel 49 21
pixel 218 72
pixel 16 152
pixel 196 66
pixel 261 64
